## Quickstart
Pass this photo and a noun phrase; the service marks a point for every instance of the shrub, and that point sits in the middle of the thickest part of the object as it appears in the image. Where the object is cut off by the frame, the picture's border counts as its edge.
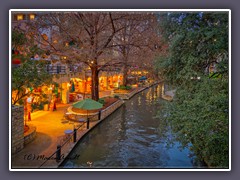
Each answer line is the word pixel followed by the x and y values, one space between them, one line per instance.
pixel 34 106
pixel 116 96
pixel 122 87
pixel 125 87
pixel 41 106
pixel 102 101
pixel 128 87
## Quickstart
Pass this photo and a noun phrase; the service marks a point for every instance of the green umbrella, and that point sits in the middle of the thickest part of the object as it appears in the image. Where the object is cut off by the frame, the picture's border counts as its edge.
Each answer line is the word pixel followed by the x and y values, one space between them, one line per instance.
pixel 73 87
pixel 88 104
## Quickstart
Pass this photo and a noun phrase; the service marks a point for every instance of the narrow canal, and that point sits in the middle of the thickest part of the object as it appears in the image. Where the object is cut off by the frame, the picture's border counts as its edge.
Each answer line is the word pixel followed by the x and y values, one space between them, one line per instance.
pixel 131 138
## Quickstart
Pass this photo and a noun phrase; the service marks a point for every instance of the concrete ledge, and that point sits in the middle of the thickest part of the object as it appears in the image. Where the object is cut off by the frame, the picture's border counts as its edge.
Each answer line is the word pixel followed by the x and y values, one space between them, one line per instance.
pixel 167 97
pixel 126 96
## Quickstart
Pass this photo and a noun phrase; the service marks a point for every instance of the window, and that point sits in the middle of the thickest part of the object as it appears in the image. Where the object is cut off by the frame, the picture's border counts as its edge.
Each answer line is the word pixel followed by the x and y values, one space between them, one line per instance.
pixel 20 17
pixel 32 16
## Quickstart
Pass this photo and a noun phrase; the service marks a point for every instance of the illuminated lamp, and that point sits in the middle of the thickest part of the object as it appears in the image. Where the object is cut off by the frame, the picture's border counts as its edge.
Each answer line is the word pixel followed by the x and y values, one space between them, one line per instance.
pixel 16 61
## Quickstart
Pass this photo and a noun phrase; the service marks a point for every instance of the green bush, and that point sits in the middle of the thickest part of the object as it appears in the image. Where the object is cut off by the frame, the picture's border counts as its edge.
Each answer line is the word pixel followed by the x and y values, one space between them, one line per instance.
pixel 116 96
pixel 34 106
pixel 102 101
pixel 122 87
pixel 40 106
pixel 125 87
pixel 128 87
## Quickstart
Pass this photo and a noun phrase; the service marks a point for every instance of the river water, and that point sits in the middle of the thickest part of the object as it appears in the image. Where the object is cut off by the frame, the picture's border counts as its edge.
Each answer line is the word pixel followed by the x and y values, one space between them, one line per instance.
pixel 131 137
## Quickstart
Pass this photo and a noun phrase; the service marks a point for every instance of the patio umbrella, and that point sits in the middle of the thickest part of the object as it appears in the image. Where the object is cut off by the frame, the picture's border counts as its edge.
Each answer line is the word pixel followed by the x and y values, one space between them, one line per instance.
pixel 88 104
pixel 73 87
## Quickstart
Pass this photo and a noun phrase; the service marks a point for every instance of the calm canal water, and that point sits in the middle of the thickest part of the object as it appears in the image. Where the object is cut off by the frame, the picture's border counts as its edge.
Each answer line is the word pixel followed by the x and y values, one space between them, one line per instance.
pixel 131 138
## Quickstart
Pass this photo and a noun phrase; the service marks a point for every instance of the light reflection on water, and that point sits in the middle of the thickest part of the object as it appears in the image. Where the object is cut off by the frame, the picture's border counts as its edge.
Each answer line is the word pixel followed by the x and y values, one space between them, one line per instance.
pixel 130 138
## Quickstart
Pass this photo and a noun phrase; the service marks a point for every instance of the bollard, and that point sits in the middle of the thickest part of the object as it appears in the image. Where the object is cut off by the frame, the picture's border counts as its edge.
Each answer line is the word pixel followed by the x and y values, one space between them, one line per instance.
pixel 74 135
pixel 58 153
pixel 99 115
pixel 87 123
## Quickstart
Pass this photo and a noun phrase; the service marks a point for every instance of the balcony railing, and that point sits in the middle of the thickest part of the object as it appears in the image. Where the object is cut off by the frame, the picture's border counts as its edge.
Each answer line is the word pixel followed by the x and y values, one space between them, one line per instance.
pixel 58 69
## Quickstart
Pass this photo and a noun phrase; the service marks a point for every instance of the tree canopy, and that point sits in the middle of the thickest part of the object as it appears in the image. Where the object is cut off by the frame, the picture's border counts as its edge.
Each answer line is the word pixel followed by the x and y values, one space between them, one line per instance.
pixel 97 39
pixel 199 112
pixel 28 74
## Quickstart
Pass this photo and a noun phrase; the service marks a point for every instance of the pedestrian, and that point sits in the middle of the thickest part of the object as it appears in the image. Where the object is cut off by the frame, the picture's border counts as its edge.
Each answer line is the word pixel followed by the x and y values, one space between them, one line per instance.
pixel 51 104
pixel 29 106
pixel 54 105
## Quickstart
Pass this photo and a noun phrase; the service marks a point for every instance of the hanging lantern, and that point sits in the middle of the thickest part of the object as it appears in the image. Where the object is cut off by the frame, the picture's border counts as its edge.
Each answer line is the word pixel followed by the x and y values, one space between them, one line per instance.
pixel 16 61
pixel 39 89
pixel 16 52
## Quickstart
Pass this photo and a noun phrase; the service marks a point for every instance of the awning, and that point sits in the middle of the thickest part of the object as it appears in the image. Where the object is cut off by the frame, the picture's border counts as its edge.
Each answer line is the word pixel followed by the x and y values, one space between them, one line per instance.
pixel 142 78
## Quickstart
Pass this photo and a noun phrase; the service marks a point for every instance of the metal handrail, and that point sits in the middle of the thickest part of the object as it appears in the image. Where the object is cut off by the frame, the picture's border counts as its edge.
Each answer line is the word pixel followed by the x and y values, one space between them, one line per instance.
pixel 60 146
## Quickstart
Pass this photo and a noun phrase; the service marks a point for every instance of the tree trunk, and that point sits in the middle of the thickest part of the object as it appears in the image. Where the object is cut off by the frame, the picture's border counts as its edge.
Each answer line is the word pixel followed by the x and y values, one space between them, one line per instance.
pixel 95 84
pixel 125 71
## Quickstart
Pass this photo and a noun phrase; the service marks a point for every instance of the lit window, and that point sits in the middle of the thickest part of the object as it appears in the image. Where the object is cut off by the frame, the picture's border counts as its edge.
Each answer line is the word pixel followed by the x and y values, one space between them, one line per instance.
pixel 19 17
pixel 32 16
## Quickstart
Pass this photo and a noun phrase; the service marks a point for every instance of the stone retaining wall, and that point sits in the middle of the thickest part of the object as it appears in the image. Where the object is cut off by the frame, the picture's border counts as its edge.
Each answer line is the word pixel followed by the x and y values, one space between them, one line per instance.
pixel 106 112
pixel 17 129
pixel 109 110
pixel 30 135
pixel 127 95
